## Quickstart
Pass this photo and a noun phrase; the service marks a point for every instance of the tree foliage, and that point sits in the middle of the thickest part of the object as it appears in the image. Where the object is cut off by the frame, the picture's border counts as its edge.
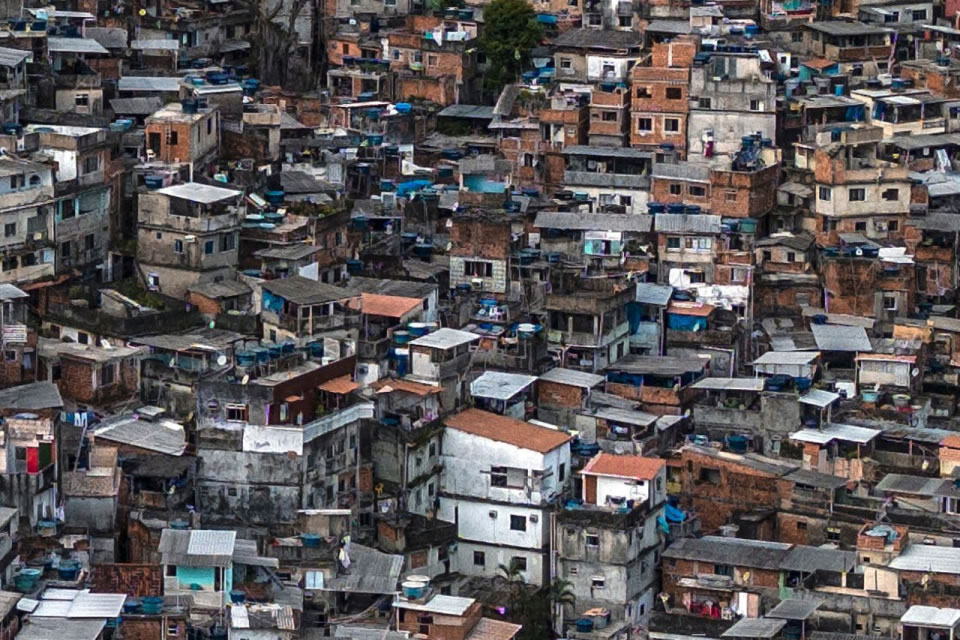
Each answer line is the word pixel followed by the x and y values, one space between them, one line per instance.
pixel 534 609
pixel 510 31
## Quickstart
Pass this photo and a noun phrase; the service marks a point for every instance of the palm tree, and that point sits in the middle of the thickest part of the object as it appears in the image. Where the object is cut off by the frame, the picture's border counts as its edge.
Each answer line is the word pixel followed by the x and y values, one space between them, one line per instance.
pixel 559 593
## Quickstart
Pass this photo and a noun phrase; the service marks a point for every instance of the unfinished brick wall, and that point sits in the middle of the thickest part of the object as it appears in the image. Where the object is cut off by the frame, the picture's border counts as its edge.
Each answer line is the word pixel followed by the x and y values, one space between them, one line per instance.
pixel 481 238
pixel 203 303
pixel 553 394
pixel 138 580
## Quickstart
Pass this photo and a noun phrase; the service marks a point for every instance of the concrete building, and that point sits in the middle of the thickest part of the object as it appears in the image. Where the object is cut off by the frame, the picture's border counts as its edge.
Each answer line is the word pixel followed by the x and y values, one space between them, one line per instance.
pixel 609 547
pixel 187 235
pixel 500 478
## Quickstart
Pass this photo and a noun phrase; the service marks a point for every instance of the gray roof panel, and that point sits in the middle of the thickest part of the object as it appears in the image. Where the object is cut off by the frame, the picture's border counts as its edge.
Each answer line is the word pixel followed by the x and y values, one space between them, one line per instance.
pixel 686 223
pixel 835 337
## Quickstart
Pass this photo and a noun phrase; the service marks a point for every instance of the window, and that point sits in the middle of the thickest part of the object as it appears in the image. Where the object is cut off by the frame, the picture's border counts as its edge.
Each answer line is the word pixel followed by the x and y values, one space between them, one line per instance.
pixel 432 451
pixel 671 124
pixel 698 244
pixel 626 201
pixel 739 275
pixel 893 225
pixel 709 476
pixel 676 189
pixel 572 571
pixel 593 540
pixel 889 302
pixel 796 36
pixel 609 116
pixel 723 570
pixel 562 472
pixel 91 164
pixel 82 100
pixel 65 249
pixel 56 372
pixel 566 63
pixel 479 558
pixel 108 374
pixel 674 93
pixel 860 226
pixel 16 182
pixel 598 582
pixel 431 60
pixel 673 244
pixel 172 138
pixel 756 105
pixel 824 193
pixel 644 125
pixel 171 571
pixel 173 629
pixel 919 15
pixel 498 476
pixel 519 563
pixel 479 269
pixel 178 246
pixel 396 54
pixel 696 191
pixel 209 126
pixel 236 412
pixel 791 256
pixel 226 242
pixel 518 523
pixel 626 21
pixel 856 194
pixel 801 525
pixel 208 247
pixel 730 196
pixel 833 534
pixel 89 242
pixel 9 229
pixel 767 255
pixel 644 92
pixel 83 338
pixel 890 195
pixel 704 103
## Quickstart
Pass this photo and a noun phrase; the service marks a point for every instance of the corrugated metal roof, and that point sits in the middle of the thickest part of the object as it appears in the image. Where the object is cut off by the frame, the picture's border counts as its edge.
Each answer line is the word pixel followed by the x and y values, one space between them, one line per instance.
pixel 499 385
pixel 198 192
pixel 31 397
pixel 142 106
pixel 816 479
pixel 833 431
pixel 609 152
pixel 794 609
pixel 472 111
pixel 211 543
pixel 162 436
pixel 738 552
pixel 12 57
pixel 655 294
pixel 809 559
pixel 445 338
pixel 60 629
pixel 902 483
pixel 96 605
pixel 440 604
pixel 925 616
pixel 787 357
pixel 835 337
pixel 155 45
pixel 657 365
pixel 819 398
pixel 755 628
pixel 571 377
pixel 686 223
pixel 928 558
pixel 148 83
pixel 626 416
pixel 371 571
pixel 729 384
pixel 74 45
pixel 594 221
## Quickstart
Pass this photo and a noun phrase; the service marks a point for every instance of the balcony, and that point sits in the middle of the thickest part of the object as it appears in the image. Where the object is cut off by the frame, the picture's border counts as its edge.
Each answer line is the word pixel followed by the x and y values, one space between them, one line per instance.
pixel 308 326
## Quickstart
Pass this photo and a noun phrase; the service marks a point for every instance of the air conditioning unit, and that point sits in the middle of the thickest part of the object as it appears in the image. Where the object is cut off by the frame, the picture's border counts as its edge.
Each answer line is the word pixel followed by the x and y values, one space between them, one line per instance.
pixel 477 283
pixel 190 238
pixel 534 518
pixel 38 235
pixel 492 514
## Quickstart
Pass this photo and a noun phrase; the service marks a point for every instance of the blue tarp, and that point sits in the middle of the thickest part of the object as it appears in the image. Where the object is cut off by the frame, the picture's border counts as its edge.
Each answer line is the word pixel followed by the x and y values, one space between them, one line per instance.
pixel 546 18
pixel 673 514
pixel 406 188
pixel 272 302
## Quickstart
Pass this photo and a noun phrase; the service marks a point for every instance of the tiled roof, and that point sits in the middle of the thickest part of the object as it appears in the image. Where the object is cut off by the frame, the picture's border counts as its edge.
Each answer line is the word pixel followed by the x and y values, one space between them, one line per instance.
pixel 375 304
pixel 504 429
pixel 389 385
pixel 339 385
pixel 609 464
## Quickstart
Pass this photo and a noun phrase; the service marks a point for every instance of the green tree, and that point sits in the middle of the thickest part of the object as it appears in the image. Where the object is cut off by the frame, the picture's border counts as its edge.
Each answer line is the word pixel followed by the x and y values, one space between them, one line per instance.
pixel 510 31
pixel 535 609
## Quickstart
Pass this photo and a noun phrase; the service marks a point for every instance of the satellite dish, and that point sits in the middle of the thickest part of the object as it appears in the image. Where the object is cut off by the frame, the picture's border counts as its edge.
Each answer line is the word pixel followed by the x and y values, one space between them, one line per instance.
pixel 221 360
pixel 915 372
pixel 859 252
pixel 246 379
pixel 173 362
pixel 212 324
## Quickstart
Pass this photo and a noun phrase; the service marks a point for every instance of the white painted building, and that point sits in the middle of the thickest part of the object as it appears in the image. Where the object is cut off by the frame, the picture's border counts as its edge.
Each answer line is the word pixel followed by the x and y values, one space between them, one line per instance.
pixel 499 479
